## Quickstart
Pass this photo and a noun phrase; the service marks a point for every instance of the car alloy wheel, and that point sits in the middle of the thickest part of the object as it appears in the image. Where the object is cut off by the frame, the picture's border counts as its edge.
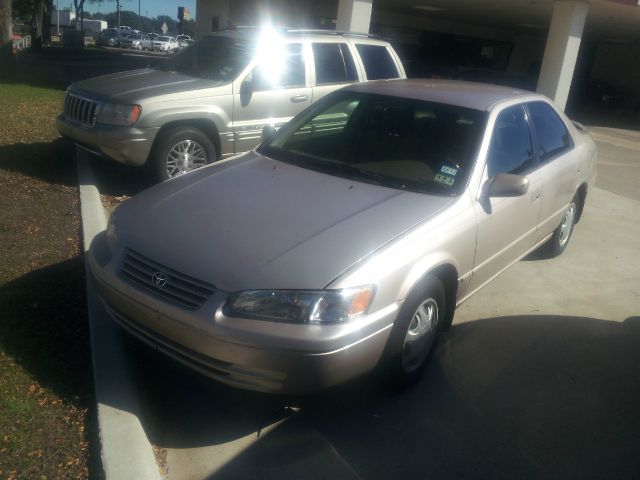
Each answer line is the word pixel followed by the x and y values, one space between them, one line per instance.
pixel 184 156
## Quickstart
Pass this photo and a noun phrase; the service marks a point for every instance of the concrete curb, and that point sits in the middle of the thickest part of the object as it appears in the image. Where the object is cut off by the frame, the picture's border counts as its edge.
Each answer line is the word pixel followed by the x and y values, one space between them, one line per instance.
pixel 125 449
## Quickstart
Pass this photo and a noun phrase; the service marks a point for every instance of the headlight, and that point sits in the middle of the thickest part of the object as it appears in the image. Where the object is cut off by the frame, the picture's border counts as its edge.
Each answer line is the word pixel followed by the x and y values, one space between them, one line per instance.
pixel 118 114
pixel 301 306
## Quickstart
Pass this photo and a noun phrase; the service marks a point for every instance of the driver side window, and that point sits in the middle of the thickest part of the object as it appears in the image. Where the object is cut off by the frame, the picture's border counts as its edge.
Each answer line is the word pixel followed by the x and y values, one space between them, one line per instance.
pixel 510 150
pixel 288 73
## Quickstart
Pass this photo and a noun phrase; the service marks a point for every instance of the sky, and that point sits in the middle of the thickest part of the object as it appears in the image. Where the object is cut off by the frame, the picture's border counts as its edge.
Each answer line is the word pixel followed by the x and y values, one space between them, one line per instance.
pixel 148 8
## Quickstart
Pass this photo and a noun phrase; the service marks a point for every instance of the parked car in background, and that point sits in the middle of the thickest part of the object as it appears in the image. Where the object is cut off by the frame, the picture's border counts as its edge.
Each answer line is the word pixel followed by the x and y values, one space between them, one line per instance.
pixel 136 41
pixel 152 35
pixel 345 242
pixel 108 38
pixel 213 99
pixel 165 44
pixel 180 38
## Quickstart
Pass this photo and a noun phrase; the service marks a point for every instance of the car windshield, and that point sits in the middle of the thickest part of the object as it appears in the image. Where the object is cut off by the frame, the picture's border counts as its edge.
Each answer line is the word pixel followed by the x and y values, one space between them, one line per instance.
pixel 163 39
pixel 214 58
pixel 392 141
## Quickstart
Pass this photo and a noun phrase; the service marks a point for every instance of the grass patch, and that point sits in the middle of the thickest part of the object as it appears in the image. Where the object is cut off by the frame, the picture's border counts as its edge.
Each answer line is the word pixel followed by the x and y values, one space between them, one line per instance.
pixel 46 391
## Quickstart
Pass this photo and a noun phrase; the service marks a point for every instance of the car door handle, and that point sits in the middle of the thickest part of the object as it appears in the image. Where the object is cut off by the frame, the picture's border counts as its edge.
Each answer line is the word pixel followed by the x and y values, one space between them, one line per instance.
pixel 299 98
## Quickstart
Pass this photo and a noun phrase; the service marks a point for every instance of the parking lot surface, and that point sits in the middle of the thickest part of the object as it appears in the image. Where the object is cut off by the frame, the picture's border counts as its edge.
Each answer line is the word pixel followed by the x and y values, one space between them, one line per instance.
pixel 538 377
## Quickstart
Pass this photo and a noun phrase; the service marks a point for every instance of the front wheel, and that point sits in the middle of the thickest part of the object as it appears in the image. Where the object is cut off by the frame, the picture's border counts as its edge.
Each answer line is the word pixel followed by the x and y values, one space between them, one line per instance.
pixel 415 333
pixel 561 235
pixel 181 150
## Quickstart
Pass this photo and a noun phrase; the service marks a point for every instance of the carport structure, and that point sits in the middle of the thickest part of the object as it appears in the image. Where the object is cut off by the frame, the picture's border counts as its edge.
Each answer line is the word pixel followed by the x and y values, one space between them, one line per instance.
pixel 538 44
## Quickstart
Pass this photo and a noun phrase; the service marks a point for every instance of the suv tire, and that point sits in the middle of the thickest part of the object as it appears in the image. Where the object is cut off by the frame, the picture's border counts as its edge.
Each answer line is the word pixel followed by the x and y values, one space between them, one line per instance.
pixel 180 150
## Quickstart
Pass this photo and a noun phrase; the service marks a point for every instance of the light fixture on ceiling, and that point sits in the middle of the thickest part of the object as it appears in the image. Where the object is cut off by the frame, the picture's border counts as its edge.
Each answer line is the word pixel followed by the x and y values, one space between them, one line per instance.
pixel 429 8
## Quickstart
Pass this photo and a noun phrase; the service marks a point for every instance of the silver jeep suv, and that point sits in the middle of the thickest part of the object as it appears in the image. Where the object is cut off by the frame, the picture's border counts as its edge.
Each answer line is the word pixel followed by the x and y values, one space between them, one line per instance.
pixel 214 98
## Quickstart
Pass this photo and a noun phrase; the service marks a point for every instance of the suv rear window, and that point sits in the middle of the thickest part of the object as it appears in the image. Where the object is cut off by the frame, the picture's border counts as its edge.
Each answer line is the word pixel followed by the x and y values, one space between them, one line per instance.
pixel 334 63
pixel 377 62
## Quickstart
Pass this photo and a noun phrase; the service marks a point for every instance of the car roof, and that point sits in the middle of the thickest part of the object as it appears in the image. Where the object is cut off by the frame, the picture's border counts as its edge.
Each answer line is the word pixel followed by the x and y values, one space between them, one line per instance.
pixel 477 96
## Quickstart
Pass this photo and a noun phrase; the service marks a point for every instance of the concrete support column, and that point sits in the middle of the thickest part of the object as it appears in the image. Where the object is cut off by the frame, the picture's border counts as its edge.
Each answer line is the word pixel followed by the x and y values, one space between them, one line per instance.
pixel 354 16
pixel 561 51
pixel 211 16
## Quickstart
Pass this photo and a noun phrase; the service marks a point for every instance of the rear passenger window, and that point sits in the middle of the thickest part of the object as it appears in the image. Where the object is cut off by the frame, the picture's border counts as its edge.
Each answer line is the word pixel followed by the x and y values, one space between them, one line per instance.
pixel 551 132
pixel 510 150
pixel 330 64
pixel 377 61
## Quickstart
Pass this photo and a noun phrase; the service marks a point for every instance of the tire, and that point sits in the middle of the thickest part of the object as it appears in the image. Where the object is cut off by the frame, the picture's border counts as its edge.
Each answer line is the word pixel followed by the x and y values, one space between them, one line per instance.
pixel 423 311
pixel 166 159
pixel 561 235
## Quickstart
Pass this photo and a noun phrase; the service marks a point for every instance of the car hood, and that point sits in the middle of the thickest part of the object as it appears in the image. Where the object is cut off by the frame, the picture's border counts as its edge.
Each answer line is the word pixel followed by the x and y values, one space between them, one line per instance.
pixel 253 222
pixel 135 85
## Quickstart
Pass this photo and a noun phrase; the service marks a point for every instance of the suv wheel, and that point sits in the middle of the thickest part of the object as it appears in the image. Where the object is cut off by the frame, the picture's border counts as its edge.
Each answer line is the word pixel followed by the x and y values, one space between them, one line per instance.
pixel 181 150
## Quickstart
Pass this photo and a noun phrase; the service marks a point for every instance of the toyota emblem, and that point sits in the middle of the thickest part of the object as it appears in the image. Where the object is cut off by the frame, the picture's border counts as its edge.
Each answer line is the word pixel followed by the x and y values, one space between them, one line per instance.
pixel 159 279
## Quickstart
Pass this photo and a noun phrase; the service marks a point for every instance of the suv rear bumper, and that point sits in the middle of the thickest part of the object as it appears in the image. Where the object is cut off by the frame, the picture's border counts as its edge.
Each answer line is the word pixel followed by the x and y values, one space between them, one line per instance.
pixel 126 145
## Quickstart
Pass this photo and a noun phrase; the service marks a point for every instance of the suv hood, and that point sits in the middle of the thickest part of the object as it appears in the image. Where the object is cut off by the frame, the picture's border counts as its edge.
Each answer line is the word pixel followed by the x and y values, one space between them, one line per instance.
pixel 136 85
pixel 254 222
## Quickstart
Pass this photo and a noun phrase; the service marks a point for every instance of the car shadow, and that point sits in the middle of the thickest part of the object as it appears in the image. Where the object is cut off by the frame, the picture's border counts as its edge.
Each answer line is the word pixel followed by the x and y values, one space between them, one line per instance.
pixel 52 162
pixel 115 179
pixel 509 397
pixel 44 329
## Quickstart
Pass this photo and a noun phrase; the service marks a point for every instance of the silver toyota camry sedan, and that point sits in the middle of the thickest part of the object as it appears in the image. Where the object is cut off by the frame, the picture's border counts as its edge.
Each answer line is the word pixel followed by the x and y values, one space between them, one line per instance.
pixel 344 242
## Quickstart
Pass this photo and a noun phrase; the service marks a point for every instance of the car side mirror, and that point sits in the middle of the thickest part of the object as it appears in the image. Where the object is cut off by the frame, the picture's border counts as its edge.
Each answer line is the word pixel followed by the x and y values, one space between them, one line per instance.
pixel 268 132
pixel 507 185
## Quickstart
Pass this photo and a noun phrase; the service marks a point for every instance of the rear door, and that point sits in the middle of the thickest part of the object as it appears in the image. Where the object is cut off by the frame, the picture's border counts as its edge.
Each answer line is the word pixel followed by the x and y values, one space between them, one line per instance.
pixel 507 225
pixel 270 94
pixel 559 164
pixel 333 67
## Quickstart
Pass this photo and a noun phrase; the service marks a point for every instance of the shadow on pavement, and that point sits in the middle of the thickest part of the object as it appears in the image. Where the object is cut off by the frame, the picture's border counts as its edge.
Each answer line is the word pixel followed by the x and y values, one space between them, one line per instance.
pixel 509 397
pixel 115 179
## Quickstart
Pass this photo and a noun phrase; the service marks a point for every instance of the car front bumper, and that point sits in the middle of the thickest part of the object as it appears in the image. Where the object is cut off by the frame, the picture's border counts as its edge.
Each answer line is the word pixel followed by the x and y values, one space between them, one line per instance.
pixel 244 353
pixel 128 145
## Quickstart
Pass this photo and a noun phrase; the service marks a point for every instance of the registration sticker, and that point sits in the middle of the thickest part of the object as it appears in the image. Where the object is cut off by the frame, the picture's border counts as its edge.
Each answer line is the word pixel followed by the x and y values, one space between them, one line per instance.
pixel 446 179
pixel 448 171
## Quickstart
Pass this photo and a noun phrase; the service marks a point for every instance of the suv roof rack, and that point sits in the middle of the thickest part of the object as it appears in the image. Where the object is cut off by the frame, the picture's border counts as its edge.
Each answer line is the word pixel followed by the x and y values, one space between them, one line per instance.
pixel 319 31
pixel 314 31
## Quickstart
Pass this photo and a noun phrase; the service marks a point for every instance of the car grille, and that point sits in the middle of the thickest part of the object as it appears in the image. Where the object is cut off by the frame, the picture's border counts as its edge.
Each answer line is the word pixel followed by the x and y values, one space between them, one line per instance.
pixel 173 286
pixel 80 110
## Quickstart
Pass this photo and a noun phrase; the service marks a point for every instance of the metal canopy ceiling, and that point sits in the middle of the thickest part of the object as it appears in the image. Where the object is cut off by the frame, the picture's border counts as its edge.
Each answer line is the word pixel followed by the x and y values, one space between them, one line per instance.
pixel 612 20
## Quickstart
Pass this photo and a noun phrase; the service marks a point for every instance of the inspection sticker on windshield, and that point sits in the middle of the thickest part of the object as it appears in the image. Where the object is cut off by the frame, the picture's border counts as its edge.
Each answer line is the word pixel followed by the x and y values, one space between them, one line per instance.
pixel 448 170
pixel 446 179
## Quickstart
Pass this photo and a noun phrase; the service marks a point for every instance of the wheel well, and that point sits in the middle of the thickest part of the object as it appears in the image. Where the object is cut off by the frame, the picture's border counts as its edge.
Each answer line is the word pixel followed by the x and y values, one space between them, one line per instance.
pixel 582 198
pixel 448 275
pixel 207 126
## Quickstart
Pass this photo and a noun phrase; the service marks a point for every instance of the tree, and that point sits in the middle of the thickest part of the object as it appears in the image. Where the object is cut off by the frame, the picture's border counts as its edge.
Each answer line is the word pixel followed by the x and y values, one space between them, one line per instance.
pixel 6 39
pixel 6 23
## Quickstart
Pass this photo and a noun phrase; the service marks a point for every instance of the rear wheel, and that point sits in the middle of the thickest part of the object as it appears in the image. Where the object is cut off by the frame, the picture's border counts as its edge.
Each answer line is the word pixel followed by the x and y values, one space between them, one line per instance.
pixel 181 150
pixel 415 334
pixel 561 235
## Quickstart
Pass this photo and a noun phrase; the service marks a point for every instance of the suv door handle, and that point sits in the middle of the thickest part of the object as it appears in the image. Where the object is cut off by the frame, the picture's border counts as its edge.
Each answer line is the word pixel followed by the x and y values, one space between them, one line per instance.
pixel 299 98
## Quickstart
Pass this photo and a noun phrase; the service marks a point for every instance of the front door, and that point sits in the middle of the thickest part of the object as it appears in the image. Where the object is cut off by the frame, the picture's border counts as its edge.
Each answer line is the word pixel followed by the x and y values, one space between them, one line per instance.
pixel 271 94
pixel 507 225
